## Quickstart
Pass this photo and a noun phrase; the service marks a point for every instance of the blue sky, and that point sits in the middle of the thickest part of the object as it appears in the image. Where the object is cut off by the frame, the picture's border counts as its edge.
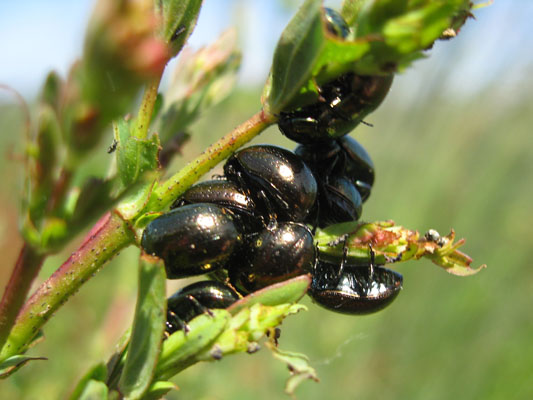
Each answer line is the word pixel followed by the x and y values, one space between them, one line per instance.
pixel 37 36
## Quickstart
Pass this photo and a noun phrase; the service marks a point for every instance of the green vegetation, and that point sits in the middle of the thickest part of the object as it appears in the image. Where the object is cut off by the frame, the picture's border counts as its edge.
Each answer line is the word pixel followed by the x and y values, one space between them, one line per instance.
pixel 445 337
pixel 440 164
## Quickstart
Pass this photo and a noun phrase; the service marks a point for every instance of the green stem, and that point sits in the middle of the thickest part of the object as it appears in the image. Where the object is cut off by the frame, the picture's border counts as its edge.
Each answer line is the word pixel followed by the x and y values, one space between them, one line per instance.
pixel 147 108
pixel 168 191
pixel 107 238
pixel 26 269
pixel 112 233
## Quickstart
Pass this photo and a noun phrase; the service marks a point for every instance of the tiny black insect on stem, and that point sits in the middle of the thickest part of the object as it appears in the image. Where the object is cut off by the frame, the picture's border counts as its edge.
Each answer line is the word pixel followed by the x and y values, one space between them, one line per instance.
pixel 179 30
pixel 113 146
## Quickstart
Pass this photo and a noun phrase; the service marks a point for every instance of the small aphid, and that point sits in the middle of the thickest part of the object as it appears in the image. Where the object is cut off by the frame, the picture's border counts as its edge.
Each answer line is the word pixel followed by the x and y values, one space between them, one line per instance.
pixel 113 147
pixel 179 30
pixel 433 236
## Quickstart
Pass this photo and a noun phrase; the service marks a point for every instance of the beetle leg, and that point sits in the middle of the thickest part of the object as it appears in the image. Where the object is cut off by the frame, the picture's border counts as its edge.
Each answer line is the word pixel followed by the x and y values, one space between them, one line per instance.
pixel 172 320
pixel 272 217
pixel 344 258
pixel 372 260
pixel 261 194
pixel 200 306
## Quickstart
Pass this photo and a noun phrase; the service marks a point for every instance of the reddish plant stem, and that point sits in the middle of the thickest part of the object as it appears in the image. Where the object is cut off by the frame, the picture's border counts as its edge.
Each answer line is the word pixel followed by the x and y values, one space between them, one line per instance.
pixel 25 271
pixel 106 239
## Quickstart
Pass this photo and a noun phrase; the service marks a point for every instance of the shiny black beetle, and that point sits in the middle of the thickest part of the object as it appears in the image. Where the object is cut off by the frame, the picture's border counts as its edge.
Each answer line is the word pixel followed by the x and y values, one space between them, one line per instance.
pixel 354 289
pixel 273 255
pixel 343 102
pixel 341 157
pixel 280 183
pixel 196 299
pixel 192 240
pixel 228 195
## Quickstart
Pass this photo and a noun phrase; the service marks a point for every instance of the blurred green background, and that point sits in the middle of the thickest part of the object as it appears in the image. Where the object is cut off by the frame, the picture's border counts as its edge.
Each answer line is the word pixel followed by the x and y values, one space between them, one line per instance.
pixel 453 148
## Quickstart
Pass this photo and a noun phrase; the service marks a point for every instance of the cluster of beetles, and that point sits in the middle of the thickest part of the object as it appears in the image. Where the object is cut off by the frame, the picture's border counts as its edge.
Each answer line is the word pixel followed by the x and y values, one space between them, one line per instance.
pixel 253 227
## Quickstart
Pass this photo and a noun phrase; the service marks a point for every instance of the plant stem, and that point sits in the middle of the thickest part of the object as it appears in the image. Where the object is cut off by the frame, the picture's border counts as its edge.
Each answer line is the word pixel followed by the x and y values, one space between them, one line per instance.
pixel 111 234
pixel 26 269
pixel 147 108
pixel 168 191
pixel 107 238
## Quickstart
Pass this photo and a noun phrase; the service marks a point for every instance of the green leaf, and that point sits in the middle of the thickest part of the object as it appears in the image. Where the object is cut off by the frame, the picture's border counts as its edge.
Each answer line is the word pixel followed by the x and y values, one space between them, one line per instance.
pixel 263 318
pixel 91 200
pixel 178 21
pixel 97 373
pixel 134 156
pixel 388 35
pixel 158 390
pixel 200 80
pixel 337 58
pixel 179 350
pixel 53 233
pixel 298 49
pixel 158 106
pixel 246 328
pixel 136 197
pixel 116 362
pixel 210 337
pixel 147 333
pixel 398 31
pixel 298 365
pixel 94 390
pixel 52 90
pixel 307 55
pixel 417 29
pixel 12 364
pixel 143 220
pixel 350 10
pixel 289 291
pixel 48 141
pixel 43 162
pixel 375 13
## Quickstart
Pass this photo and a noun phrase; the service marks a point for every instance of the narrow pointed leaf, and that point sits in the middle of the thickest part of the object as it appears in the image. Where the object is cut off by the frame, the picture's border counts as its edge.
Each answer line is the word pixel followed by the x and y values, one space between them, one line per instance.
pixel 350 10
pixel 135 156
pixel 289 291
pixel 295 55
pixel 12 364
pixel 158 390
pixel 147 333
pixel 94 390
pixel 52 90
pixel 298 365
pixel 179 349
pixel 97 373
